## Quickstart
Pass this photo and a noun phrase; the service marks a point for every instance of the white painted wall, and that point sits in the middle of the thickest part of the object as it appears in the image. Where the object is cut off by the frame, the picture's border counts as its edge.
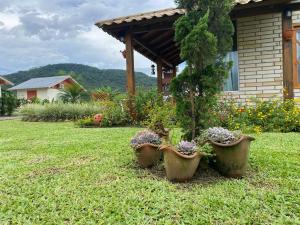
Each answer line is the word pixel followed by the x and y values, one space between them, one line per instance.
pixel 53 94
pixel 44 93
pixel 22 94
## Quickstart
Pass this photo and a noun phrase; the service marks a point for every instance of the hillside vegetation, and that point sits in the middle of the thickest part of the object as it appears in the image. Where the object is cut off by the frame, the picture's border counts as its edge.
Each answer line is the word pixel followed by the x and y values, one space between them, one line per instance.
pixel 89 77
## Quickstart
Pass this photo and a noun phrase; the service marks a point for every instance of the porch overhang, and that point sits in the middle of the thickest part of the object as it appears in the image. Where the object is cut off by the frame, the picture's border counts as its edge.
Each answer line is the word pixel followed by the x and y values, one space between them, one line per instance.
pixel 153 32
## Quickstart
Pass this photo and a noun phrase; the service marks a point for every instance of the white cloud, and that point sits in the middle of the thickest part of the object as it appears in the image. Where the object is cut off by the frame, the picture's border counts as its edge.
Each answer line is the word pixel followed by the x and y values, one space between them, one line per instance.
pixel 39 32
pixel 8 21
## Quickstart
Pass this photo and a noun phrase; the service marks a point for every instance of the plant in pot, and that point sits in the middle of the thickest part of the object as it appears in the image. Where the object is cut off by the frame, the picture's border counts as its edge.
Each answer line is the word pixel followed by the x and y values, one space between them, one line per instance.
pixel 146 145
pixel 181 162
pixel 161 118
pixel 231 150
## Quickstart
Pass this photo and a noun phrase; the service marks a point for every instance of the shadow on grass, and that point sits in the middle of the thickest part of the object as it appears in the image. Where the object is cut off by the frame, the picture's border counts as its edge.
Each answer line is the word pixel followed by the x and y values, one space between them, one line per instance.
pixel 204 176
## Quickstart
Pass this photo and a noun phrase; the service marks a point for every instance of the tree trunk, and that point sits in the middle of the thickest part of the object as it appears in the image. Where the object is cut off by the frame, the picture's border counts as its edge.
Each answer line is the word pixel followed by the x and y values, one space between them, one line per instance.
pixel 192 99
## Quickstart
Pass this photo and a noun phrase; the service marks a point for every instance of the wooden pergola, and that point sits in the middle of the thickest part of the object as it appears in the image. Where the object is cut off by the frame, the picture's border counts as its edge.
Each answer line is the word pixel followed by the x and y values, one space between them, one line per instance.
pixel 152 35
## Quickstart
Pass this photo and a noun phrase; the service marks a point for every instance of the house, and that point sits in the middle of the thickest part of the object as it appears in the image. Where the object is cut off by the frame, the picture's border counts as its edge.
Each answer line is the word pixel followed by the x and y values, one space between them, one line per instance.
pixel 265 54
pixel 4 81
pixel 44 88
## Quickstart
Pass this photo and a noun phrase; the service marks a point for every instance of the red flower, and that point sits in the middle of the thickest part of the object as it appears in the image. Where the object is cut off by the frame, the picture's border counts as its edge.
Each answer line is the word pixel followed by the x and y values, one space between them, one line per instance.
pixel 98 118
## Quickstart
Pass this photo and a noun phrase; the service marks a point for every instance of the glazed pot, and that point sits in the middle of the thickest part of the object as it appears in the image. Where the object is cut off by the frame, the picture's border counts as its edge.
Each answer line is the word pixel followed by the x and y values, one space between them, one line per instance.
pixel 232 159
pixel 148 155
pixel 180 167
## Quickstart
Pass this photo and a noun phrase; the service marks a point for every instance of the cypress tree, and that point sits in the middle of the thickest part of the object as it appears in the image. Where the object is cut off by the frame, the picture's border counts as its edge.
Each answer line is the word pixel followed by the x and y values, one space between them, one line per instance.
pixel 205 37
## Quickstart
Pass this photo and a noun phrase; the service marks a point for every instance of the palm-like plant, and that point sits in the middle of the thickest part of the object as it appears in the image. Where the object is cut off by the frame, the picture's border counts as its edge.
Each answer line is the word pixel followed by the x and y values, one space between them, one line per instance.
pixel 105 93
pixel 72 93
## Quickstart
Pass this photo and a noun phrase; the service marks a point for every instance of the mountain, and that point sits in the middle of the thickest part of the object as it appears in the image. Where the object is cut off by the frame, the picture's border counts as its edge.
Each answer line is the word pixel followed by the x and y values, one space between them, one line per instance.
pixel 89 77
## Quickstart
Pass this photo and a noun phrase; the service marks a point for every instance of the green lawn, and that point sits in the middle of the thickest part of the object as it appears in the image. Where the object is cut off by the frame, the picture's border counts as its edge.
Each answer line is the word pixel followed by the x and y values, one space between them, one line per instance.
pixel 54 173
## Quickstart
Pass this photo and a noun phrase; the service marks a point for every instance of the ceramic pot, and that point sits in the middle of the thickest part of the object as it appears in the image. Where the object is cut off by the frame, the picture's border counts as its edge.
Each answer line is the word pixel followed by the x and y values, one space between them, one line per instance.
pixel 148 155
pixel 232 159
pixel 180 167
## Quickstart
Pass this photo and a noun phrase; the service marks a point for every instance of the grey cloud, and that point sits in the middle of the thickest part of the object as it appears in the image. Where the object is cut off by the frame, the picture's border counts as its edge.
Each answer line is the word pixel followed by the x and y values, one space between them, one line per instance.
pixel 62 31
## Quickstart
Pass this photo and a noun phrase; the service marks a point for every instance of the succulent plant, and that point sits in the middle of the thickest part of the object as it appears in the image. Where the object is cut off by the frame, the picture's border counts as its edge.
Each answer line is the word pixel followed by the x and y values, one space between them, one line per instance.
pixel 223 136
pixel 186 147
pixel 145 137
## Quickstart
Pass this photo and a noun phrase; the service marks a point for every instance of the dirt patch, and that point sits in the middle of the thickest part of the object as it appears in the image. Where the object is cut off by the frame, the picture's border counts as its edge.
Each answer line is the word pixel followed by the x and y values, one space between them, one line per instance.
pixel 38 160
pixel 47 171
pixel 259 181
pixel 83 160
pixel 107 180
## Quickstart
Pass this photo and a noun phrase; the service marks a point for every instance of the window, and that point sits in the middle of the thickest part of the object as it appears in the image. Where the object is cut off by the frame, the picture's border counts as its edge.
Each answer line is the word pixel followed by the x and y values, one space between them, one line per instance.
pixel 232 82
pixel 297 58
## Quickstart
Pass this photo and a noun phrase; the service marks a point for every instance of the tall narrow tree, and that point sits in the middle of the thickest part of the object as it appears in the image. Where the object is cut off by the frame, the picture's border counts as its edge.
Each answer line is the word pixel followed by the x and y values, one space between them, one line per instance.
pixel 205 37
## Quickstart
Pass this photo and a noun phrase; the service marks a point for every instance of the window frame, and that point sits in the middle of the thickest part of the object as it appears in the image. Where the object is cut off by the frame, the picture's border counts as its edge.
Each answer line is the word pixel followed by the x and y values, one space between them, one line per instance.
pixel 238 75
pixel 296 81
pixel 235 49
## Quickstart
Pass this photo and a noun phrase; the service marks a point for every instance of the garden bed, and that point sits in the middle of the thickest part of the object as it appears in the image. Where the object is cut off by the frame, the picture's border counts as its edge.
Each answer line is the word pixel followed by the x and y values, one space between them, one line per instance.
pixel 55 173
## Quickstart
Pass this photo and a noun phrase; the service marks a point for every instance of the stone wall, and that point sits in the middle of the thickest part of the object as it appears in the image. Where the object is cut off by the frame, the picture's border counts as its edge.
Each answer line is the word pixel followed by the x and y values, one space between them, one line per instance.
pixel 260 58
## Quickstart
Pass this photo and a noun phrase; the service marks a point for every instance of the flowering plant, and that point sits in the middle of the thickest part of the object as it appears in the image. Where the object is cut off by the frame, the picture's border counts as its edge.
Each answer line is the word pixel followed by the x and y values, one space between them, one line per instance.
pixel 223 136
pixel 145 137
pixel 186 147
pixel 98 118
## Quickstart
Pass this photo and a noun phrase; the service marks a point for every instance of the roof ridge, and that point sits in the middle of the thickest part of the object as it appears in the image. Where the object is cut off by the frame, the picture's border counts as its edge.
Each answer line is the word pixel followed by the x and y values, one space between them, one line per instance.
pixel 102 22
pixel 47 77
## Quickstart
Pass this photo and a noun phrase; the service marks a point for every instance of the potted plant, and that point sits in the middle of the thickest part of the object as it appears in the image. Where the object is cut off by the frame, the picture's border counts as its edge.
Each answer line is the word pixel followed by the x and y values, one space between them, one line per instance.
pixel 231 149
pixel 181 163
pixel 146 145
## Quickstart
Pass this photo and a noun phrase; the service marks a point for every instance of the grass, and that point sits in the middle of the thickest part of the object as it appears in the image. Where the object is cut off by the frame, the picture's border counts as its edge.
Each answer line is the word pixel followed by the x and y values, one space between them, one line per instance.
pixel 54 173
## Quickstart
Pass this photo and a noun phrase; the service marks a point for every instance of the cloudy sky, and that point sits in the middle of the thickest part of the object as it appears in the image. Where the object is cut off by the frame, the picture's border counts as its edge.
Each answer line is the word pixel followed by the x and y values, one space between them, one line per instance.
pixel 34 33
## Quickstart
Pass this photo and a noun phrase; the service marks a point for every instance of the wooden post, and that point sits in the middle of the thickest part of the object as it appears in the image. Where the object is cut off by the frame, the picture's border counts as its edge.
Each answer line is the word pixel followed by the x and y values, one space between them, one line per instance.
pixel 130 64
pixel 130 72
pixel 174 70
pixel 159 76
pixel 287 25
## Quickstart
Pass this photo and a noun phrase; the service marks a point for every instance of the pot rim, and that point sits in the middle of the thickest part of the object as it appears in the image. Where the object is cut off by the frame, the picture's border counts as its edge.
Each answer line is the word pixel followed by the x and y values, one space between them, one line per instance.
pixel 243 137
pixel 196 154
pixel 138 148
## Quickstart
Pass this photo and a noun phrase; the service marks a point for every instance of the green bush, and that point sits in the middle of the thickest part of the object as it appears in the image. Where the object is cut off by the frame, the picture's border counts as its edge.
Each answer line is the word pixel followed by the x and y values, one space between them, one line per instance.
pixel 145 100
pixel 8 103
pixel 113 115
pixel 87 123
pixel 161 116
pixel 260 116
pixel 58 111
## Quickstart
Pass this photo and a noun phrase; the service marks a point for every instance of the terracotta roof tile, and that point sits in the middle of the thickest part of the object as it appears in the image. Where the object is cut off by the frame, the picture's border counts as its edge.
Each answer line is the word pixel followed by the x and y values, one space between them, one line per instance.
pixel 142 16
pixel 155 14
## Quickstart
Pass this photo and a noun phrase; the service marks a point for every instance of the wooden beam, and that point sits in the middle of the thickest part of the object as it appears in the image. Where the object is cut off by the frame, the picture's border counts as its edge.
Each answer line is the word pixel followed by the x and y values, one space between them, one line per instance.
pixel 287 24
pixel 130 64
pixel 173 58
pixel 150 50
pixel 174 72
pixel 160 37
pixel 159 76
pixel 169 41
pixel 167 49
pixel 149 34
pixel 171 53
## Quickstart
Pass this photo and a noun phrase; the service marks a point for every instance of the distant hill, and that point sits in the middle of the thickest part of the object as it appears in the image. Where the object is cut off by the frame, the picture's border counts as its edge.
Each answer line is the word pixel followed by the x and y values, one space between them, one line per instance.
pixel 89 77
